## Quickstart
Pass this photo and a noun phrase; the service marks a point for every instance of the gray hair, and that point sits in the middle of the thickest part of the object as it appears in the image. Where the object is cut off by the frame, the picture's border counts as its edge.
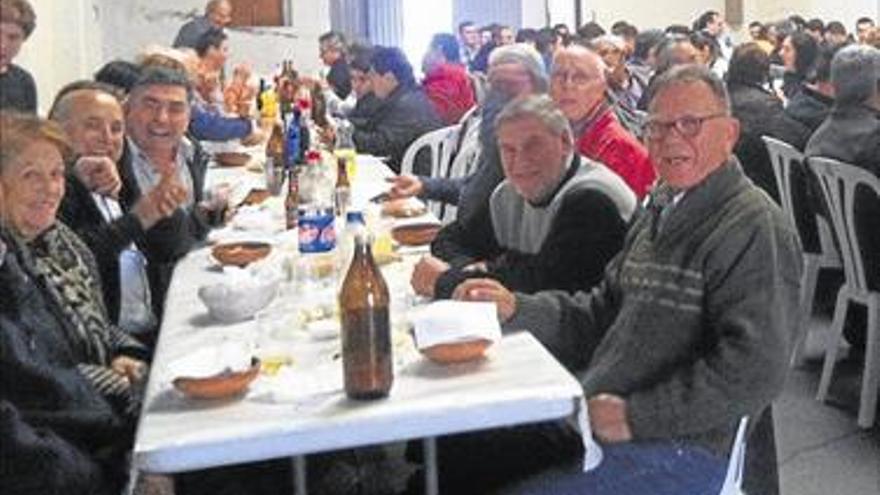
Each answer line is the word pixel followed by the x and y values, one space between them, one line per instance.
pixel 62 106
pixel 855 72
pixel 540 107
pixel 163 76
pixel 608 39
pixel 335 40
pixel 691 73
pixel 527 57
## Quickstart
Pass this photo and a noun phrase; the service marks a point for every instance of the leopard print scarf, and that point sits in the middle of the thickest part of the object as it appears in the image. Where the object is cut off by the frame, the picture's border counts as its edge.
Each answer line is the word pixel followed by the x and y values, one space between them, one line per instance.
pixel 67 265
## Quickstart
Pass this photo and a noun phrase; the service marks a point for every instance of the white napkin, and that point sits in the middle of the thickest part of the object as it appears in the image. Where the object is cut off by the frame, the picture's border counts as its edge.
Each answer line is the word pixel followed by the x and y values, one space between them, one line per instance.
pixel 256 218
pixel 209 361
pixel 443 322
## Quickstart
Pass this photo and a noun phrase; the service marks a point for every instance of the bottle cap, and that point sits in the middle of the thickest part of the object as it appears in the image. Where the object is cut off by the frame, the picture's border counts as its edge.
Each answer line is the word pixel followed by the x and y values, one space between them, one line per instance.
pixel 313 156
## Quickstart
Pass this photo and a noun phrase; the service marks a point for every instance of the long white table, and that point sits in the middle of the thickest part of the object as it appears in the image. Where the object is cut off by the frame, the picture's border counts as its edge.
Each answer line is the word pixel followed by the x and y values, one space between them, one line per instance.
pixel 304 410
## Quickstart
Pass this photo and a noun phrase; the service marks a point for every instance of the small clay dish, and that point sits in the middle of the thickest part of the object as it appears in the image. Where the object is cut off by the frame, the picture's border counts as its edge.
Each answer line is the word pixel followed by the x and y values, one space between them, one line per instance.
pixel 240 254
pixel 457 352
pixel 415 234
pixel 223 385
pixel 403 208
pixel 231 158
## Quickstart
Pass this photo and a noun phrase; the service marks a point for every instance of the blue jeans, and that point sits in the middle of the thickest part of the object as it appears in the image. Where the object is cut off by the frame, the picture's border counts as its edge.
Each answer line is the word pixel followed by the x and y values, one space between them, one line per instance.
pixel 655 468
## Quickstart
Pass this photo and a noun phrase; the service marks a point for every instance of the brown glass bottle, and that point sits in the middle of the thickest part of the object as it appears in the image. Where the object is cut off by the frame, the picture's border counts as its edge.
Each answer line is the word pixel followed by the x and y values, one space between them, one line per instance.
pixel 291 202
pixel 275 159
pixel 342 193
pixel 366 327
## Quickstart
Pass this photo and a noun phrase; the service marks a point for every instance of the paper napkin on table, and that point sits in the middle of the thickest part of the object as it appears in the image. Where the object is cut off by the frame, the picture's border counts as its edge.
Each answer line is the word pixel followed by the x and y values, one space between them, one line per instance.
pixel 444 322
pixel 211 360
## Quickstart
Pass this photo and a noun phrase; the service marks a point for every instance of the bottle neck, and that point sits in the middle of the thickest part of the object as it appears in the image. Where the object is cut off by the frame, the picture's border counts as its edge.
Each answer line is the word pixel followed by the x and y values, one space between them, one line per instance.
pixel 363 251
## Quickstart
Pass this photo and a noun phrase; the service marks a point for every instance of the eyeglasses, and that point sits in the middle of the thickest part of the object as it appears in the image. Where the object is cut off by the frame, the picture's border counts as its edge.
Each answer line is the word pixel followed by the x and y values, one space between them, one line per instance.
pixel 575 78
pixel 687 126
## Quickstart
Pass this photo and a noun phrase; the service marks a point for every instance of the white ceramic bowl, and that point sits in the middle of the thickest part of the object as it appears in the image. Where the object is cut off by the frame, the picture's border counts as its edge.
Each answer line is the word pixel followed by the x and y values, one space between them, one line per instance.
pixel 230 303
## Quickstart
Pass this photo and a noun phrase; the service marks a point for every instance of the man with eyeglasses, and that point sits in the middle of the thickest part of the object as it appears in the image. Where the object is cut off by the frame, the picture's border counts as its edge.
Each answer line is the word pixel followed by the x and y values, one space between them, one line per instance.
pixel 578 86
pixel 691 328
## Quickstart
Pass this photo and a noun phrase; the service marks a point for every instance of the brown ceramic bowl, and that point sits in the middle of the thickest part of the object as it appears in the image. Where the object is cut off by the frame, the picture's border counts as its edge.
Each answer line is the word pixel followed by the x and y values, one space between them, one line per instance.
pixel 402 208
pixel 415 235
pixel 256 196
pixel 232 158
pixel 240 254
pixel 222 385
pixel 457 352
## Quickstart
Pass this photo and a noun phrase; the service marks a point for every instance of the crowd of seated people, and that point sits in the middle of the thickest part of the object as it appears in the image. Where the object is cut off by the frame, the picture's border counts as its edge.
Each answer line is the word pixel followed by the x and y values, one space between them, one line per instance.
pixel 610 167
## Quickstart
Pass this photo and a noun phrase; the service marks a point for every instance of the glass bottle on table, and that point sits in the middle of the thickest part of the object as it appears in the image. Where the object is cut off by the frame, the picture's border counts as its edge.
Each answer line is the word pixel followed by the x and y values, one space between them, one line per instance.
pixel 342 193
pixel 367 364
pixel 344 146
pixel 274 166
pixel 291 202
pixel 317 233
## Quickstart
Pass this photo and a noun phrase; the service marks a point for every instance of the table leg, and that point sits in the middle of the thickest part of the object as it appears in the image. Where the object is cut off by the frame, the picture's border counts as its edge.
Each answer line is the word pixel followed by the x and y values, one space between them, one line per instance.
pixel 429 445
pixel 299 475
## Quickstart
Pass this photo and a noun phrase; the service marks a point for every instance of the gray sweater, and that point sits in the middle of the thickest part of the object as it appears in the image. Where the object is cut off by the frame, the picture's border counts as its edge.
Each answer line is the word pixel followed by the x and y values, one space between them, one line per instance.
pixel 692 327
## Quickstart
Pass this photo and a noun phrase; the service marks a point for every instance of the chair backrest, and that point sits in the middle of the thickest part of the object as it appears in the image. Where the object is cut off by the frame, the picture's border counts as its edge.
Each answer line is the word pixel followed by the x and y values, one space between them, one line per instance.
pixel 440 143
pixel 462 165
pixel 471 115
pixel 783 157
pixel 839 182
pixel 480 85
pixel 793 184
pixel 733 480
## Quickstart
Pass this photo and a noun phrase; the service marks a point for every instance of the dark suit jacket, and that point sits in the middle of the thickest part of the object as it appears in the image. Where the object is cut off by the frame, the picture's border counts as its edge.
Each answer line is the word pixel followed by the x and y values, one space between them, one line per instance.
pixel 105 239
pixel 339 78
pixel 761 114
pixel 173 237
pixel 399 120
pixel 850 134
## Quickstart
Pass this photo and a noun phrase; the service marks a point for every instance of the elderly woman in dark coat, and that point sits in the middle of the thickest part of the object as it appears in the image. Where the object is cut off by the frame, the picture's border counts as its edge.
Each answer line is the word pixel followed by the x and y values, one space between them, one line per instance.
pixel 66 404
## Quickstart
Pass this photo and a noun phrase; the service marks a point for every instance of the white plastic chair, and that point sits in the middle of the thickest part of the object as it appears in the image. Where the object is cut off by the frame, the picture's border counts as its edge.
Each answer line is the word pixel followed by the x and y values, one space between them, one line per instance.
pixel 462 165
pixel 733 480
pixel 441 144
pixel 785 158
pixel 839 182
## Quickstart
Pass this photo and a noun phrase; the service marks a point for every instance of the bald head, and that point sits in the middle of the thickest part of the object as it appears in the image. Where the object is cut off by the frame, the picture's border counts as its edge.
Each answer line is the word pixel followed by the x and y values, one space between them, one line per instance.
pixel 219 12
pixel 92 119
pixel 577 82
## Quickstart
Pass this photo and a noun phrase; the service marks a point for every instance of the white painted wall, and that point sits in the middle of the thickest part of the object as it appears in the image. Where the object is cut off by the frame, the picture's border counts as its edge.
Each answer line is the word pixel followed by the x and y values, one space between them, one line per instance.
pixel 74 37
pixel 64 47
pixel 642 13
pixel 844 11
pixel 130 25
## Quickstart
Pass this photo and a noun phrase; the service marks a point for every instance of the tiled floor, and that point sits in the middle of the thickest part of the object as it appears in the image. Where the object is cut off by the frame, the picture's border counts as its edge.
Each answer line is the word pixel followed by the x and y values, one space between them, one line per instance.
pixel 821 449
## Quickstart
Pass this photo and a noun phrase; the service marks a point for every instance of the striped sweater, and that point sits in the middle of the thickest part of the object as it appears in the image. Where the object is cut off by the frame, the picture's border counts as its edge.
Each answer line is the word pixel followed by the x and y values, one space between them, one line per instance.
pixel 692 327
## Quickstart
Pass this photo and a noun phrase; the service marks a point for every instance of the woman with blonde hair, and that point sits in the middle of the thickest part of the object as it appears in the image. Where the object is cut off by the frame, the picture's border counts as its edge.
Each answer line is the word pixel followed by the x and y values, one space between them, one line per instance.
pixel 66 375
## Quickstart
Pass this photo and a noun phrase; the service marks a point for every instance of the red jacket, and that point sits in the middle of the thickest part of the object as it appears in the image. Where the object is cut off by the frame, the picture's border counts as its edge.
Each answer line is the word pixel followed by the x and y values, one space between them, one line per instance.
pixel 449 89
pixel 605 140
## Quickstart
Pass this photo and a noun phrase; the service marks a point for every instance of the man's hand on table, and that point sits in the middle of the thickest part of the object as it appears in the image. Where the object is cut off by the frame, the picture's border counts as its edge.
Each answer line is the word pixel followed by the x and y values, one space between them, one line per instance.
pixel 608 418
pixel 99 175
pixel 487 289
pixel 405 186
pixel 426 273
